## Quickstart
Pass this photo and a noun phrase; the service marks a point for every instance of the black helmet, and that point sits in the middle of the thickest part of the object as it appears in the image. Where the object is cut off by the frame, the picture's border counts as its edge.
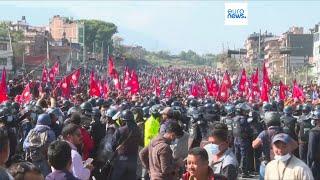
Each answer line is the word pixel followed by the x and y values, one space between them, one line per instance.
pixel 255 107
pixel 243 108
pixel 267 107
pixel 111 112
pixel 86 106
pixel 92 101
pixel 272 119
pixel 306 109
pixel 193 103
pixel 316 115
pixel 206 101
pixel 66 103
pixel 127 115
pixel 146 111
pixel 73 110
pixel 124 105
pixel 96 112
pixel 288 110
pixel 230 109
pixel 155 110
pixel 16 106
pixel 317 107
pixel 208 108
pixel 99 102
pixel 155 99
pixel 299 108
pixel 175 103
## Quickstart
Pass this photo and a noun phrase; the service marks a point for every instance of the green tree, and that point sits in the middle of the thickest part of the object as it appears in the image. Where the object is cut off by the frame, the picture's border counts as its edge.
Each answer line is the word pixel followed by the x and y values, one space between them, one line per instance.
pixel 98 33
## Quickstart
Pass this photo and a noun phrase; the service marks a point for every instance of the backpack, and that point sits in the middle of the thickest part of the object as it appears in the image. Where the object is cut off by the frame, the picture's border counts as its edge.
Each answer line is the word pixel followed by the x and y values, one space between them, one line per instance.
pixel 38 144
pixel 305 127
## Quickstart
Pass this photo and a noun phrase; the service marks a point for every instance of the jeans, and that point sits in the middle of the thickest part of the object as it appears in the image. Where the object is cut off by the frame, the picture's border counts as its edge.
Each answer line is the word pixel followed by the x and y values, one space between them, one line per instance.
pixel 125 169
pixel 262 170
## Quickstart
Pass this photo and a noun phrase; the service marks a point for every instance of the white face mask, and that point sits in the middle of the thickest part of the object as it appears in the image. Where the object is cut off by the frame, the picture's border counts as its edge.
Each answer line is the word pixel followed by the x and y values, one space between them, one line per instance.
pixel 212 149
pixel 282 158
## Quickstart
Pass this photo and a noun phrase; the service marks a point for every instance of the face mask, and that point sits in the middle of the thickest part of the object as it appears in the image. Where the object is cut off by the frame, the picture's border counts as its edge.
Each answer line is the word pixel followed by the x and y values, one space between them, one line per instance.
pixel 33 116
pixel 9 118
pixel 212 149
pixel 313 123
pixel 175 141
pixel 282 158
pixel 250 120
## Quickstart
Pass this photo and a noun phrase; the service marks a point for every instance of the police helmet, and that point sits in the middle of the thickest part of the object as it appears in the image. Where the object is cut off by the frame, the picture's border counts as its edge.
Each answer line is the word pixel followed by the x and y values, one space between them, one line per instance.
pixel 146 111
pixel 272 119
pixel 306 109
pixel 73 110
pixel 86 106
pixel 155 110
pixel 288 110
pixel 267 107
pixel 316 115
pixel 127 115
pixel 193 103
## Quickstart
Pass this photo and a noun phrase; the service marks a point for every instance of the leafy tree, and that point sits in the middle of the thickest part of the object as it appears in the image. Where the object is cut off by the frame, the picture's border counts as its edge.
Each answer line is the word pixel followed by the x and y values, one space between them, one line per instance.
pixel 97 33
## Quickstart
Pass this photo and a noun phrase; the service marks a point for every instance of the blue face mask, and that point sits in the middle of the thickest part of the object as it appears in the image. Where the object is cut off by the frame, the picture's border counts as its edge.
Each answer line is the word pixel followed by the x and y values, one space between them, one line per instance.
pixel 212 149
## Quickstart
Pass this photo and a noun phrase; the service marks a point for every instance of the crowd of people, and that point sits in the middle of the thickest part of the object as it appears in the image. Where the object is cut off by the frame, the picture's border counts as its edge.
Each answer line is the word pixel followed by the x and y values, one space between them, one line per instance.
pixel 153 136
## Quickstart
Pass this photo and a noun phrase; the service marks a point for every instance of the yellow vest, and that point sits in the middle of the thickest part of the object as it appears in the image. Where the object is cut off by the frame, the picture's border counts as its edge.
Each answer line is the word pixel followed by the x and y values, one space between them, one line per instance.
pixel 151 129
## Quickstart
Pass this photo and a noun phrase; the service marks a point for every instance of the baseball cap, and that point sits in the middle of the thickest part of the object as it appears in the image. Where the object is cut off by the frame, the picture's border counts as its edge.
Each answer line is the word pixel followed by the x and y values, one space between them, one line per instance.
pixel 281 137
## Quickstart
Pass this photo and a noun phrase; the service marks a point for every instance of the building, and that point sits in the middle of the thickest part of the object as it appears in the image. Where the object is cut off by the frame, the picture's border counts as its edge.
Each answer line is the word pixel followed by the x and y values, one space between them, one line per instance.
pixel 316 51
pixel 296 49
pixel 254 45
pixel 6 54
pixel 272 57
pixel 65 28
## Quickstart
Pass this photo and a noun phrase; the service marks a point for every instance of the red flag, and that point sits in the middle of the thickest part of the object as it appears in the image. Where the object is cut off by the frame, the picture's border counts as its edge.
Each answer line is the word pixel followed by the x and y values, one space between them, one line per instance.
pixel 3 86
pixel 94 89
pixel 54 71
pixel 116 80
pixel 255 81
pixel 105 89
pixel 127 76
pixel 264 93
pixel 169 90
pixel 282 91
pixel 25 97
pixel 65 87
pixel 194 90
pixel 266 79
pixel 110 66
pixel 297 91
pixel 74 77
pixel 44 74
pixel 134 83
pixel 209 86
pixel 215 87
pixel 243 81
pixel 224 88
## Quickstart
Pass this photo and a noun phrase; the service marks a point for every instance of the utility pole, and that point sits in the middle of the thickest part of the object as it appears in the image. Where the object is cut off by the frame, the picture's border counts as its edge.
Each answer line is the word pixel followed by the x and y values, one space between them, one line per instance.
pixel 47 52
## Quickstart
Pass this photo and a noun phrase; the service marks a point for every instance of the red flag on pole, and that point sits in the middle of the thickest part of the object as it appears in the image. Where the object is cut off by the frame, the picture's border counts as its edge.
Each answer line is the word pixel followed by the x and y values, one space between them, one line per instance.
pixel 243 81
pixel 169 90
pixel 266 79
pixel 74 77
pixel 94 89
pixel 105 89
pixel 3 87
pixel 134 83
pixel 255 81
pixel 65 87
pixel 44 74
pixel 110 66
pixel 194 90
pixel 224 88
pixel 127 76
pixel 116 80
pixel 215 87
pixel 297 91
pixel 282 91
pixel 54 71
pixel 25 97
pixel 264 93
pixel 209 86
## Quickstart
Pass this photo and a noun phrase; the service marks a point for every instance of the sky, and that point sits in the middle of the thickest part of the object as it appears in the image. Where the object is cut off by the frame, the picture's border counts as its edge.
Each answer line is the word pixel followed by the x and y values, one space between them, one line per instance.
pixel 173 26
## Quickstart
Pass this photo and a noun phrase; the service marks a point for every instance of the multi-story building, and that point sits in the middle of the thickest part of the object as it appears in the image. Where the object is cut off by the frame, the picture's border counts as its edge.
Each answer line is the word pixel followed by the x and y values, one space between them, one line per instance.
pixel 316 51
pixel 65 28
pixel 272 56
pixel 296 49
pixel 254 45
pixel 6 53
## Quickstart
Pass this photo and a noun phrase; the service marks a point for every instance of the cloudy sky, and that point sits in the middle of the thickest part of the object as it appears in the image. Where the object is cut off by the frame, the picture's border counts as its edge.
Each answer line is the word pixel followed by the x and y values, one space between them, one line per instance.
pixel 173 25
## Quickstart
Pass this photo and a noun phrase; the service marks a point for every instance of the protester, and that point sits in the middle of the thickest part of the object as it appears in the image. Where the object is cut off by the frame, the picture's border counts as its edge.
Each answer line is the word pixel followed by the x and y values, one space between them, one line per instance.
pixel 25 171
pixel 224 161
pixel 285 165
pixel 157 156
pixel 314 147
pixel 72 134
pixel 59 157
pixel 197 166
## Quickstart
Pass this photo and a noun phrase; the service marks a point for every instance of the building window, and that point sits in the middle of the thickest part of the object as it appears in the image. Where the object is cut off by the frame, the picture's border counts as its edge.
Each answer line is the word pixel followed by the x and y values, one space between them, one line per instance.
pixel 316 37
pixel 3 61
pixel 3 46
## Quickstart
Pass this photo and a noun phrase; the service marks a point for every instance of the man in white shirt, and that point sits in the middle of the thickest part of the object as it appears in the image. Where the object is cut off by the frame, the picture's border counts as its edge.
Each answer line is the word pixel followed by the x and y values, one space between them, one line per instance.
pixel 285 165
pixel 71 133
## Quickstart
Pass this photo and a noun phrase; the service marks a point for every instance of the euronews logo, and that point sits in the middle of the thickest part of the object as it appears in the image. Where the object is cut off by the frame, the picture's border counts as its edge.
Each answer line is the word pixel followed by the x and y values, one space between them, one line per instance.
pixel 236 14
